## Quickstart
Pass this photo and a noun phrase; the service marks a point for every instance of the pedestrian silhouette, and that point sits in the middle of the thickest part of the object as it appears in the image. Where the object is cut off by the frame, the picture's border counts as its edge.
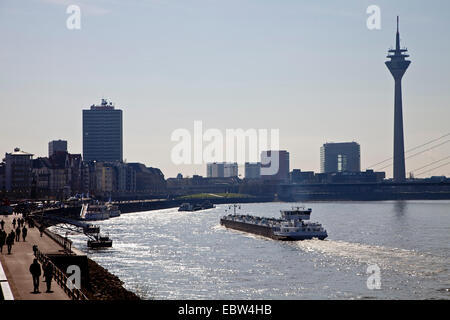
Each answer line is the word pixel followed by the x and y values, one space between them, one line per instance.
pixel 18 233
pixel 35 250
pixel 10 241
pixel 2 240
pixel 24 233
pixel 2 224
pixel 14 223
pixel 35 270
pixel 48 275
pixel 41 230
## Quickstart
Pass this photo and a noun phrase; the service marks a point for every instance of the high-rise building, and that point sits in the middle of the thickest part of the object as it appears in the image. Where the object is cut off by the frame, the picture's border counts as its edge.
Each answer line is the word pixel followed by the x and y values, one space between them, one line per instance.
pixel 230 170
pixel 397 65
pixel 215 170
pixel 102 133
pixel 221 169
pixel 252 170
pixel 340 157
pixel 272 159
pixel 56 146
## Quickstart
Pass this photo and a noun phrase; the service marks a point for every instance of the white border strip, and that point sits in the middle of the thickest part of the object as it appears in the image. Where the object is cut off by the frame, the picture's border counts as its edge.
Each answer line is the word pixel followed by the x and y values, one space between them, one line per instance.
pixel 4 285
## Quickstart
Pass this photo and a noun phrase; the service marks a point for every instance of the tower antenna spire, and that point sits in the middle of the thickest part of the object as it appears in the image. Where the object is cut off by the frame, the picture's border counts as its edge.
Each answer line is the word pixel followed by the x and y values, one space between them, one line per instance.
pixel 397 37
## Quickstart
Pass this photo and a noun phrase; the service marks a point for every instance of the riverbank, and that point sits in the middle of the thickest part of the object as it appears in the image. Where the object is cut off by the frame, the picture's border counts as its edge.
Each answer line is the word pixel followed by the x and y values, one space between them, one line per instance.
pixel 99 284
pixel 103 285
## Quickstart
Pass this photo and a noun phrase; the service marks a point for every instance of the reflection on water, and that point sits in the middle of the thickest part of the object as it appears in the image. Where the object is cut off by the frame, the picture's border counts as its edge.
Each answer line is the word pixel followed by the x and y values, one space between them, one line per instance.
pixel 400 207
pixel 399 260
pixel 167 254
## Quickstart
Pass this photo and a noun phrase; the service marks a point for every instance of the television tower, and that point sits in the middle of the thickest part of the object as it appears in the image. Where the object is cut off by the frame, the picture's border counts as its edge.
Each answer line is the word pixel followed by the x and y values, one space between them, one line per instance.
pixel 397 65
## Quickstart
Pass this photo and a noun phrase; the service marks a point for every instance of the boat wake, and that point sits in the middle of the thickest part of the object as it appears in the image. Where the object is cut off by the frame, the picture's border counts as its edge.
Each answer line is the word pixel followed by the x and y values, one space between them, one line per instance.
pixel 399 260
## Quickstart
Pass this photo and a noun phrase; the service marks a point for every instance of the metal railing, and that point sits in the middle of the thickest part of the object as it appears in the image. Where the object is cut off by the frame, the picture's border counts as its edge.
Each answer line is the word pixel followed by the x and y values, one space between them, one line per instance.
pixel 61 278
pixel 64 242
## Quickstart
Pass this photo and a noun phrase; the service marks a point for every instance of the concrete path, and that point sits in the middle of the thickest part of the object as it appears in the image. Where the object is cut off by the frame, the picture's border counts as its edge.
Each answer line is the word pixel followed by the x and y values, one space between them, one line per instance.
pixel 16 265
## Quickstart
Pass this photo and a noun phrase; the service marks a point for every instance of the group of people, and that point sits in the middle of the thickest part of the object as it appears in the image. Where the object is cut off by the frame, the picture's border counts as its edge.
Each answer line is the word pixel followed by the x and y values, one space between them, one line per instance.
pixel 14 234
pixel 35 267
pixel 7 239
pixel 35 270
pixel 20 222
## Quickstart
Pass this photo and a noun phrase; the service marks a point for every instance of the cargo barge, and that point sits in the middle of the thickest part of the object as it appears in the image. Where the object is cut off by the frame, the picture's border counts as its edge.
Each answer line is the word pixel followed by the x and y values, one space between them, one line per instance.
pixel 290 227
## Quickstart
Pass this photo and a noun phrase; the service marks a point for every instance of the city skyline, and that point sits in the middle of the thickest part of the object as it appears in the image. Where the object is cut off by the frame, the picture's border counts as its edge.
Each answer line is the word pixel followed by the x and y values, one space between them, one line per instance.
pixel 265 80
pixel 209 152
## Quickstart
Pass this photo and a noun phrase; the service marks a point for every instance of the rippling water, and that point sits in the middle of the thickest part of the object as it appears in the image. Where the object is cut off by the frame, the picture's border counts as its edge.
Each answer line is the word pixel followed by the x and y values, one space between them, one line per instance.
pixel 166 254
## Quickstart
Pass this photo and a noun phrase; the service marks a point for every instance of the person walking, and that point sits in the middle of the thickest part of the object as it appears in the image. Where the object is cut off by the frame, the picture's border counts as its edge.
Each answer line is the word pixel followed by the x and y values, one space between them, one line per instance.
pixel 24 233
pixel 41 229
pixel 48 275
pixel 10 241
pixel 18 233
pixel 2 240
pixel 35 250
pixel 2 224
pixel 14 223
pixel 35 270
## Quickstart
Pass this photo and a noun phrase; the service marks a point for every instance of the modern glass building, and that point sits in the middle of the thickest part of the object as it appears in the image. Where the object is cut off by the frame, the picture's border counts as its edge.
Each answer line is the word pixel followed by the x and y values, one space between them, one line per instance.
pixel 102 133
pixel 340 157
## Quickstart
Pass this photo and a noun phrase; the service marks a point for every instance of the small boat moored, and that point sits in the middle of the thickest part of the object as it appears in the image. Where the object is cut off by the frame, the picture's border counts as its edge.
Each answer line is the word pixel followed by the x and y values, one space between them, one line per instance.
pixel 196 207
pixel 99 241
pixel 189 207
pixel 207 205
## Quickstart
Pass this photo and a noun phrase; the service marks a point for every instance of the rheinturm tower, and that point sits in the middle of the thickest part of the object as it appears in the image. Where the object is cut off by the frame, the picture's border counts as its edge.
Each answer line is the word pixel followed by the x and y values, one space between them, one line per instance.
pixel 397 65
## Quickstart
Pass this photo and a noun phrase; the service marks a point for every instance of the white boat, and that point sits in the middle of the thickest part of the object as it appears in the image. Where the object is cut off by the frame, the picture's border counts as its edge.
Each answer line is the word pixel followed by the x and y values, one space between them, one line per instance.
pixel 94 212
pixel 113 210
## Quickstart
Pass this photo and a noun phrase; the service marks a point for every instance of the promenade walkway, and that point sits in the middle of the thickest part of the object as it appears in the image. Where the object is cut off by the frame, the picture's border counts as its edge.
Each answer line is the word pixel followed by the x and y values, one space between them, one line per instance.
pixel 16 265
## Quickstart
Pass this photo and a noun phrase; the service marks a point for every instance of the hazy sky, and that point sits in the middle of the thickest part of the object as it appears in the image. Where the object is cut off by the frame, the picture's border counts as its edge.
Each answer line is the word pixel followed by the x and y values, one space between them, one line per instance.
pixel 309 68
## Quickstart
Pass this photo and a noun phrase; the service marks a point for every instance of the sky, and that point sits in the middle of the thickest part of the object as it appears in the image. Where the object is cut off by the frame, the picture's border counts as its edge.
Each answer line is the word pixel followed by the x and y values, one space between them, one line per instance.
pixel 311 69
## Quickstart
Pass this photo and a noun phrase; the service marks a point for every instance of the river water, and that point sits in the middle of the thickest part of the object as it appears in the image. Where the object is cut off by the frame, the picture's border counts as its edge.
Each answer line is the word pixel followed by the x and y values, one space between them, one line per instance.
pixel 166 254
